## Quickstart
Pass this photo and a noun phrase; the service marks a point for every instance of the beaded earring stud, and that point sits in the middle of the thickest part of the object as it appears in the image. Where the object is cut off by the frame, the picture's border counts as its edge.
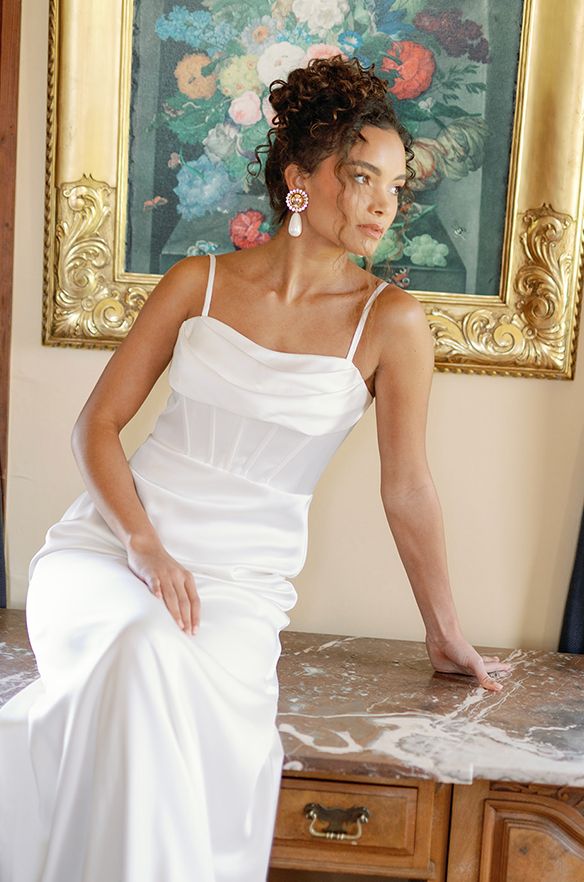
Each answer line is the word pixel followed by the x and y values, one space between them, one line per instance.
pixel 296 200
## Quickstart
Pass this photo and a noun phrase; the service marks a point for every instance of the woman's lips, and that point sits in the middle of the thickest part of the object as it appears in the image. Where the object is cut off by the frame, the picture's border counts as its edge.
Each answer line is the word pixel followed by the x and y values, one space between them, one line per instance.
pixel 371 230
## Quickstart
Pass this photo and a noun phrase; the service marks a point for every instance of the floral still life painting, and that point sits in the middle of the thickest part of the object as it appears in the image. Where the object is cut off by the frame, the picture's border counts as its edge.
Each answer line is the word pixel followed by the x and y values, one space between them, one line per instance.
pixel 201 73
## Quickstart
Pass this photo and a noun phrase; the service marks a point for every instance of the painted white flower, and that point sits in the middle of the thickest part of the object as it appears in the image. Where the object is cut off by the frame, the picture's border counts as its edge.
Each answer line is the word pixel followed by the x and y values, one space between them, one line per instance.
pixel 246 109
pixel 276 62
pixel 427 103
pixel 268 110
pixel 320 16
pixel 220 141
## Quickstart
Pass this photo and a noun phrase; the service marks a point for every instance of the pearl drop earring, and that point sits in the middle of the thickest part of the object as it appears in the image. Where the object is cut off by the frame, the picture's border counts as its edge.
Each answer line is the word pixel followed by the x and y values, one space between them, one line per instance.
pixel 296 200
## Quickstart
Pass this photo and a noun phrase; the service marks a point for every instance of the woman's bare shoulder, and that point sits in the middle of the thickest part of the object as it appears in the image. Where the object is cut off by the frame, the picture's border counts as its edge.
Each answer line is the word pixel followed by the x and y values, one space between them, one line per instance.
pixel 197 266
pixel 188 278
pixel 396 307
pixel 194 268
pixel 400 324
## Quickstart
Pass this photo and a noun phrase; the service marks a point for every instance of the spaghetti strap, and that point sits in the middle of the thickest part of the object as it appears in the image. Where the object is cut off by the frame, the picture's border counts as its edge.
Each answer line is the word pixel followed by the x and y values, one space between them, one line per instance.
pixel 209 290
pixel 362 320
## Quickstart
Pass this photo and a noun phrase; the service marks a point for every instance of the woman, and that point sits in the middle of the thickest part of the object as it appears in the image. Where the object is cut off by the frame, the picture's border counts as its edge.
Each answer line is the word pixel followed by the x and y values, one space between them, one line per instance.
pixel 148 750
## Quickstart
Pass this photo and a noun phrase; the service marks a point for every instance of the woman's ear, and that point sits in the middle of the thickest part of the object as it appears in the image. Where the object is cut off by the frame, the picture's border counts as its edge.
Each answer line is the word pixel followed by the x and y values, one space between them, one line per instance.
pixel 294 177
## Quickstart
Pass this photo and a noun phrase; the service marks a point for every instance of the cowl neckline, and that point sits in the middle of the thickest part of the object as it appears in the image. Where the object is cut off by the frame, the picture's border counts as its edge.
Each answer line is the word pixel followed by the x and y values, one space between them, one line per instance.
pixel 266 354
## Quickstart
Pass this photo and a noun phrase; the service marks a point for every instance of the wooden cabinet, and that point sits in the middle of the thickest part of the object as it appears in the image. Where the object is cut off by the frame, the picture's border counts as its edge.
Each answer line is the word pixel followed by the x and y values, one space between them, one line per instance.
pixel 483 832
pixel 361 827
pixel 507 832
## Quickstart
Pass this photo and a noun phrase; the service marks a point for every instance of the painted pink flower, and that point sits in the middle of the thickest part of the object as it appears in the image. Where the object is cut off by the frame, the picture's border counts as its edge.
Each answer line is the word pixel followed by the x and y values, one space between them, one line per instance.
pixel 322 50
pixel 244 229
pixel 174 160
pixel 246 109
pixel 154 203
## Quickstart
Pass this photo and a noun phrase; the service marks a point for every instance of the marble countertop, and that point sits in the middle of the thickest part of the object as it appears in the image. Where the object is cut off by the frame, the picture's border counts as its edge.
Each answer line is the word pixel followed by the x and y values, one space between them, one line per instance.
pixel 371 706
pixel 17 662
pixel 375 707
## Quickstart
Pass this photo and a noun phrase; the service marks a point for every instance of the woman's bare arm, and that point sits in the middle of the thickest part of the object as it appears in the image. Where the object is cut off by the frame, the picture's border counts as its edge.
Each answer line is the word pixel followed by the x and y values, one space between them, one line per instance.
pixel 402 390
pixel 121 389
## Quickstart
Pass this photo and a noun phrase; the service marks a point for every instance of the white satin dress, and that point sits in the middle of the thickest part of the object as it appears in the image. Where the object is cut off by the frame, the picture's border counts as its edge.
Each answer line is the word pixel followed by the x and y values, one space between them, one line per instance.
pixel 142 753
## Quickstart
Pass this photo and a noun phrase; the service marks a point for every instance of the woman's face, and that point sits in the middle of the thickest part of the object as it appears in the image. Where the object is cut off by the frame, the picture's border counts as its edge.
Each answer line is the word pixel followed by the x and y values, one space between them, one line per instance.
pixel 373 173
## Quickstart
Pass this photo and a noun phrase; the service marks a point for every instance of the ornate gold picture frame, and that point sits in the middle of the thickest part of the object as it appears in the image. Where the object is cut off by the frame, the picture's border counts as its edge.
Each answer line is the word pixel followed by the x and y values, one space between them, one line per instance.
pixel 529 329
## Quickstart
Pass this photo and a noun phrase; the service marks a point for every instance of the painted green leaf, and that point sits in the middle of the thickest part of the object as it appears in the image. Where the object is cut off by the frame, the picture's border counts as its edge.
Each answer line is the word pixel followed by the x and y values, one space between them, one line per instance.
pixel 412 7
pixel 375 46
pixel 198 117
pixel 362 16
pixel 411 110
pixel 453 111
pixel 251 136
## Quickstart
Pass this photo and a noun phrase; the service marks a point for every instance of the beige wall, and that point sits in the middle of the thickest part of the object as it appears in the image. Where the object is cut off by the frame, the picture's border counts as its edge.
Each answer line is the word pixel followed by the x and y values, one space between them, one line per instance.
pixel 507 456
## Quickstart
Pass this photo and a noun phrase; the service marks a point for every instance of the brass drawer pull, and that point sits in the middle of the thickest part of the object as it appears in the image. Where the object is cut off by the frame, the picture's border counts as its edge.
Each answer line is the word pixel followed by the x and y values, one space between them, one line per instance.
pixel 336 818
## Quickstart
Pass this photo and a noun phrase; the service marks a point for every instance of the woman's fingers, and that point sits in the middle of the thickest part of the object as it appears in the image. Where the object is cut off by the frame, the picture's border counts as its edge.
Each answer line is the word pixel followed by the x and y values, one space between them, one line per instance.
pixel 171 600
pixel 171 582
pixel 460 657
pixel 485 668
pixel 183 601
pixel 155 586
pixel 487 681
pixel 194 600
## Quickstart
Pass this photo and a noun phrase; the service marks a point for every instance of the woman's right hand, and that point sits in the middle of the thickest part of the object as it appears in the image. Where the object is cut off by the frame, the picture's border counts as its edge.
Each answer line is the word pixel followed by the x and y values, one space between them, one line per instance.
pixel 168 580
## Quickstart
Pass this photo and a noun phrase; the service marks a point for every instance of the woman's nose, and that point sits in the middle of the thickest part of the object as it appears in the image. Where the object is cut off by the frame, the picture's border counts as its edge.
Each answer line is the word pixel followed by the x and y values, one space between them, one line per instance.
pixel 381 204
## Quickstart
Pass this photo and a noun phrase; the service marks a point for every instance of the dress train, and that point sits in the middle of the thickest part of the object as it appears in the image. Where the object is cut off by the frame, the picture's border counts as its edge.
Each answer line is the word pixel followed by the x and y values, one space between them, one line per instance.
pixel 153 741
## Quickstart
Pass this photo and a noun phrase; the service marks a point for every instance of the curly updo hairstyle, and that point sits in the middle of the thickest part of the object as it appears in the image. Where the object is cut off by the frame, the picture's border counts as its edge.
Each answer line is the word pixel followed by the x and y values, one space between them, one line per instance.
pixel 319 111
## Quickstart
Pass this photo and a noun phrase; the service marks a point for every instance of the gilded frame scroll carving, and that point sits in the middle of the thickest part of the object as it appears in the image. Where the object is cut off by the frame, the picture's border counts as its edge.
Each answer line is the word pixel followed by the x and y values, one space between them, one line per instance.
pixel 529 329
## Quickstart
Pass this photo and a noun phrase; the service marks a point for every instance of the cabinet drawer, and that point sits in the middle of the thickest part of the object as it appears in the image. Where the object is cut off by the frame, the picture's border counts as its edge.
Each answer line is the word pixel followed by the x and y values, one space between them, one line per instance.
pixel 346 825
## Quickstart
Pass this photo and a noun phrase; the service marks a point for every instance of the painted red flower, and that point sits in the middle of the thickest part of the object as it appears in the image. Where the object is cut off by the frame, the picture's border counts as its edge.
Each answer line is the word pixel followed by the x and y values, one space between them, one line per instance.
pixel 456 36
pixel 244 229
pixel 416 68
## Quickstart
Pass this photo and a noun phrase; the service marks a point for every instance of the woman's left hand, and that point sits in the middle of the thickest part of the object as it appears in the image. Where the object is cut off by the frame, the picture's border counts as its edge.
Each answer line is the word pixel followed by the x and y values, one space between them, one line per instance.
pixel 456 656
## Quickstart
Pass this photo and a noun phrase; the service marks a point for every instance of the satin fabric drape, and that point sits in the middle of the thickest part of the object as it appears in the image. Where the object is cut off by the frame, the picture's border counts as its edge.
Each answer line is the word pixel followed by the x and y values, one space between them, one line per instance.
pixel 143 754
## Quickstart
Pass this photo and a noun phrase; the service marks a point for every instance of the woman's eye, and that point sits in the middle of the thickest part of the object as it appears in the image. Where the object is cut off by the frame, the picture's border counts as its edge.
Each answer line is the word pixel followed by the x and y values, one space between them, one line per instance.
pixel 361 177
